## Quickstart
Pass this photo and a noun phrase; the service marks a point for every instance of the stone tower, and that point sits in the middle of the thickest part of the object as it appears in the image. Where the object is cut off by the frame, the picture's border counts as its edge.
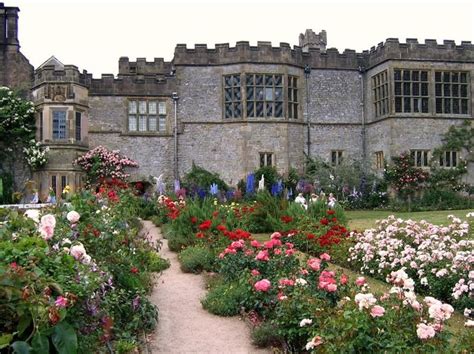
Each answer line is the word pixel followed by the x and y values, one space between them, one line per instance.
pixel 15 70
pixel 310 40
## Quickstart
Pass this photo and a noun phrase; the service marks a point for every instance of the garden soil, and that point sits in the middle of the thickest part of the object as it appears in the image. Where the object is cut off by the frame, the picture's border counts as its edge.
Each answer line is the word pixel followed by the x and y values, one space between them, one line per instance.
pixel 183 325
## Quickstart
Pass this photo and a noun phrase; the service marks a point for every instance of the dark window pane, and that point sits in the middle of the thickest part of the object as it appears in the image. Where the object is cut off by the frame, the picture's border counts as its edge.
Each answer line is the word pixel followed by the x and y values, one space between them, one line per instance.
pixel 424 105
pixel 441 161
pixel 437 76
pixel 262 160
pixel 455 105
pixel 250 109
pixel 416 108
pixel 438 90
pixel 269 109
pixel 439 105
pixel 228 94
pixel 78 126
pixel 333 157
pixel 53 183
pixel 63 182
pixel 448 158
pixel 406 104
pixel 463 90
pixel 228 80
pixel 463 77
pixel 278 80
pixel 260 93
pixel 464 107
pixel 406 88
pixel 259 109
pixel 447 105
pixel 447 90
pixel 236 80
pixel 279 109
pixel 454 159
pixel 258 79
pixel 416 89
pixel 249 79
pixel 237 95
pixel 228 110
pixel 425 158
pixel 397 74
pixel 237 110
pixel 250 93
pixel 269 159
pixel 415 75
pixel 446 77
pixel 268 80
pixel 455 89
pixel 278 94
pixel 424 76
pixel 398 104
pixel 406 75
pixel 398 88
pixel 455 77
pixel 424 89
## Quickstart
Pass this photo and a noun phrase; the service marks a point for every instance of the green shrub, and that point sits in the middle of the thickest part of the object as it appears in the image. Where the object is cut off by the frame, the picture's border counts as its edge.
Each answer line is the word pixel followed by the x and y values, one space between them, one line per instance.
pixel 200 177
pixel 265 335
pixel 195 259
pixel 224 299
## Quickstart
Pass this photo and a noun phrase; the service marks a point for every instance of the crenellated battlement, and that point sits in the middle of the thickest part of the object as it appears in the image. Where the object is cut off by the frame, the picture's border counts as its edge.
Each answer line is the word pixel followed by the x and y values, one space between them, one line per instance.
pixel 265 53
pixel 132 85
pixel 143 67
pixel 430 50
pixel 64 74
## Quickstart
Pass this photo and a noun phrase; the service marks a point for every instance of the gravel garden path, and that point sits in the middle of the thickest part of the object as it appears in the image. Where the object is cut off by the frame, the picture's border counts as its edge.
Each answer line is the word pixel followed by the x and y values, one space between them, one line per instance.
pixel 183 325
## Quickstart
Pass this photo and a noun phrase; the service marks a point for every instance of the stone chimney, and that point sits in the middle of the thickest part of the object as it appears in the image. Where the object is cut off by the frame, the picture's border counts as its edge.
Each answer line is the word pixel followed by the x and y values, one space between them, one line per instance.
pixel 310 40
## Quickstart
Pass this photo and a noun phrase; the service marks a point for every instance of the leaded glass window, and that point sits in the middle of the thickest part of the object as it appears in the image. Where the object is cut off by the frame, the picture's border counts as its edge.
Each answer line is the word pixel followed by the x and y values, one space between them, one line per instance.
pixel 59 125
pixel 449 159
pixel 411 91
pixel 266 159
pixel 292 97
pixel 452 92
pixel 232 96
pixel 264 95
pixel 420 158
pixel 146 116
pixel 380 90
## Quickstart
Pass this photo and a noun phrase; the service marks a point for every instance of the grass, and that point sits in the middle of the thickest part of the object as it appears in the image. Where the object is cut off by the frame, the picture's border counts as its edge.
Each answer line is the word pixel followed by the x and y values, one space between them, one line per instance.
pixel 365 219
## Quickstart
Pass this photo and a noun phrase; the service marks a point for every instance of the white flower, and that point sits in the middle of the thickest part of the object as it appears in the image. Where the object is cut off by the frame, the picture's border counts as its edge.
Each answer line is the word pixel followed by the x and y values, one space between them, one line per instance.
pixel 469 323
pixel 33 214
pixel 305 321
pixel 365 300
pixel 301 282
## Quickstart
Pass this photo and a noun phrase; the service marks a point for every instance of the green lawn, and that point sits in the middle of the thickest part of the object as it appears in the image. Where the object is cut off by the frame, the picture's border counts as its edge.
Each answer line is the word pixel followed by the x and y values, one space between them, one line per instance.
pixel 365 219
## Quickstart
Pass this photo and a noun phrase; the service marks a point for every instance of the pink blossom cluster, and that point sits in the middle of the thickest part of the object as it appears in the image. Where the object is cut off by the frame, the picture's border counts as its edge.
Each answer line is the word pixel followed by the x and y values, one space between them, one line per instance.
pixel 434 253
pixel 105 163
pixel 46 226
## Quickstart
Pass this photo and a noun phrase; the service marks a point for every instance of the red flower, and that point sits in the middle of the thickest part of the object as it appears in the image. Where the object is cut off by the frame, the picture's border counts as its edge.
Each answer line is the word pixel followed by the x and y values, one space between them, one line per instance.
pixel 205 225
pixel 310 236
pixel 96 233
pixel 134 270
pixel 200 235
pixel 194 219
pixel 331 212
pixel 286 219
pixel 324 221
pixel 214 214
pixel 221 228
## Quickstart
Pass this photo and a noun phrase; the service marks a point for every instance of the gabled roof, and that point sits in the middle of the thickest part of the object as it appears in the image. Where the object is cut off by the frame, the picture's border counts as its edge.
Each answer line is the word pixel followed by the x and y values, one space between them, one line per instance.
pixel 53 61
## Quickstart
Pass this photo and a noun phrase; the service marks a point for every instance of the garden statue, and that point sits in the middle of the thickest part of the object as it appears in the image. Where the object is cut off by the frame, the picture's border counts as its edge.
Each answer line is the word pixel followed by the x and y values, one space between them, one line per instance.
pixel 314 198
pixel 159 185
pixel 331 201
pixel 261 183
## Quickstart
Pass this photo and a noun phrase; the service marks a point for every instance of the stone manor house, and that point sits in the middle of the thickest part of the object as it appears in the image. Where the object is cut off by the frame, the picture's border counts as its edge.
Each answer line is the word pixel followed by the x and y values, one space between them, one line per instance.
pixel 232 109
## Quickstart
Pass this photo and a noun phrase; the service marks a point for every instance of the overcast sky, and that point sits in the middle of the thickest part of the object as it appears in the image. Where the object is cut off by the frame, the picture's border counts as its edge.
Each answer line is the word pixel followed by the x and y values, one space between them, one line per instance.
pixel 93 34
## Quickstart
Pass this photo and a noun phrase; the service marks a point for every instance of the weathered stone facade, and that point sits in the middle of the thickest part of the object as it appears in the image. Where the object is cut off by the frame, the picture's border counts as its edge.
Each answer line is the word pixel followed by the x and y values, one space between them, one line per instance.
pixel 244 106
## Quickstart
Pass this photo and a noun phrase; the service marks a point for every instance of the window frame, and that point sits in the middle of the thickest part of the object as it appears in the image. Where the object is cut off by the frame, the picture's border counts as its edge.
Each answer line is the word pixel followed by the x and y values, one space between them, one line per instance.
pixel 441 97
pixel 146 116
pixel 266 155
pixel 381 94
pixel 66 124
pixel 411 84
pixel 452 161
pixel 379 160
pixel 424 157
pixel 336 157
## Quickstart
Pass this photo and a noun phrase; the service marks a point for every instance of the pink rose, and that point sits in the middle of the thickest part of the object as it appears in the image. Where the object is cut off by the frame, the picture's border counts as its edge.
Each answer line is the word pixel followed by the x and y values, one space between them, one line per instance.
pixel 377 311
pixel 263 285
pixel 46 231
pixel 360 281
pixel 325 257
pixel 73 217
pixel 255 243
pixel 275 235
pixel 262 256
pixel 255 272
pixel 78 251
pixel 61 302
pixel 344 279
pixel 48 220
pixel 290 252
pixel 277 251
pixel 314 263
pixel 331 288
pixel 424 331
